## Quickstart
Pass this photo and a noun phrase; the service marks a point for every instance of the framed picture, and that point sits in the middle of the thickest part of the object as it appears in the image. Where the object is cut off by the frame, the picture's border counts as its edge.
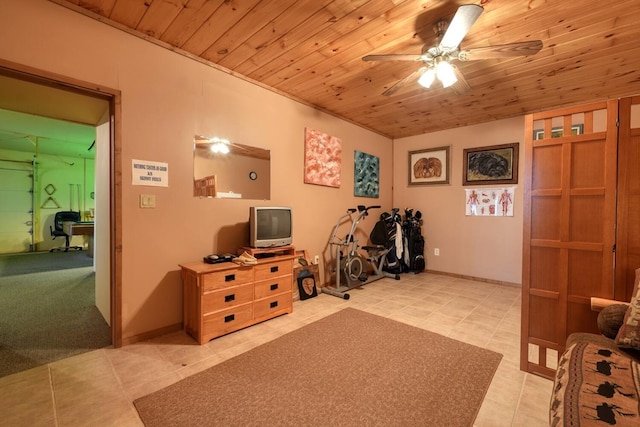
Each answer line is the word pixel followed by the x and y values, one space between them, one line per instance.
pixel 497 164
pixel 558 132
pixel 429 166
pixel 366 175
pixel 302 258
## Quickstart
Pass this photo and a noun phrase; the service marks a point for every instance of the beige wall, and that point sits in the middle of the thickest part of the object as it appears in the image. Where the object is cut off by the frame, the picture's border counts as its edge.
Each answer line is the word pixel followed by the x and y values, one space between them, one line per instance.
pixel 166 100
pixel 484 247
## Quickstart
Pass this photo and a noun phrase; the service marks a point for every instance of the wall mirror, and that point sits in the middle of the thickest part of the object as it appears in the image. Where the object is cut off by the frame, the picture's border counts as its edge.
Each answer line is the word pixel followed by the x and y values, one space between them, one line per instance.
pixel 224 169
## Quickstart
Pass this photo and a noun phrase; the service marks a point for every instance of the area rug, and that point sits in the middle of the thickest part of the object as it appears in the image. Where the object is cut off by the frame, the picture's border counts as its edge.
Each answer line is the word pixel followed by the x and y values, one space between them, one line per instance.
pixel 351 368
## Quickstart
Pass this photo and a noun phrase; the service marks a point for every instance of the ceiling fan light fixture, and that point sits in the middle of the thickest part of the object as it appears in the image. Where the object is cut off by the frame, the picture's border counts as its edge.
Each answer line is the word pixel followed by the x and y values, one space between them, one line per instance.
pixel 446 74
pixel 426 80
pixel 219 145
pixel 220 148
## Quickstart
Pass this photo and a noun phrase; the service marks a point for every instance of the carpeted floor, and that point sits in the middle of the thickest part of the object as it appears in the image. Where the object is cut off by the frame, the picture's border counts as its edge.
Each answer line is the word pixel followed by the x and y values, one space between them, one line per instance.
pixel 47 315
pixel 15 264
pixel 351 368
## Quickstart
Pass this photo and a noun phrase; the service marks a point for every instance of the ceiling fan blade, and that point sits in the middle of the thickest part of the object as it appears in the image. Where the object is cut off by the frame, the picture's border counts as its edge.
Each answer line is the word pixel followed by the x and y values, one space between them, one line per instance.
pixel 501 51
pixel 392 57
pixel 462 21
pixel 413 76
pixel 461 86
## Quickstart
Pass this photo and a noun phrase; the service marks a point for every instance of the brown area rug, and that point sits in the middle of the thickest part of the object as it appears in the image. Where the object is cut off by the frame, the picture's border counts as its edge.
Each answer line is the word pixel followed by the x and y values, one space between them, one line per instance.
pixel 348 369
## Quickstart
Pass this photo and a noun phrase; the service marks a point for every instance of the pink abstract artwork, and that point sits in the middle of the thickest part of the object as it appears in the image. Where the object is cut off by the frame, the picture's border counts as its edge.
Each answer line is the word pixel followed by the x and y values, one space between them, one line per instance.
pixel 322 158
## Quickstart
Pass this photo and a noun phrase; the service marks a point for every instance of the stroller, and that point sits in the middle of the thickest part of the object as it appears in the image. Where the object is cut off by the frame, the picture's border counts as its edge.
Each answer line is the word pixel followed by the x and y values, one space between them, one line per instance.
pixel 348 265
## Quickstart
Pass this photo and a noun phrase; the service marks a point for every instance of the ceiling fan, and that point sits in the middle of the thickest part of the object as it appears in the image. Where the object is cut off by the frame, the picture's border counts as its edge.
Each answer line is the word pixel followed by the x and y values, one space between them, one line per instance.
pixel 437 59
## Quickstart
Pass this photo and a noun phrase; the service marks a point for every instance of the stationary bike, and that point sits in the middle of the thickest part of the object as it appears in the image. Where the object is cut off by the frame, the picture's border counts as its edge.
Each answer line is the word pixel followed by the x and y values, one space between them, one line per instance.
pixel 348 264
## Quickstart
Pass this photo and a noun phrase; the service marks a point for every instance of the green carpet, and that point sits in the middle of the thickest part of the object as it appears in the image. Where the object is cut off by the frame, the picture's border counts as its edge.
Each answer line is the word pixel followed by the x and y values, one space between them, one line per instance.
pixel 14 264
pixel 47 316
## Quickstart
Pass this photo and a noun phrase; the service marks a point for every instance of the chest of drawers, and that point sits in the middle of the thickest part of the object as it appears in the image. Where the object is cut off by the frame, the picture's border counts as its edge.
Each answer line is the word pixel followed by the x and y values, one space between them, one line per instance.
pixel 222 298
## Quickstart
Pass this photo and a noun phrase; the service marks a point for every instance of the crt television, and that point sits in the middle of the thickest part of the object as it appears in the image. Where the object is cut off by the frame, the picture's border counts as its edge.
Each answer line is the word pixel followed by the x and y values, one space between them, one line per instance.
pixel 270 226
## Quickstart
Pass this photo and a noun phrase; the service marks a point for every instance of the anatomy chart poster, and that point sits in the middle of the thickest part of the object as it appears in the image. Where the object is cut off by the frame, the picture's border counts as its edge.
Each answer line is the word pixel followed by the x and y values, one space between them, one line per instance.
pixel 490 201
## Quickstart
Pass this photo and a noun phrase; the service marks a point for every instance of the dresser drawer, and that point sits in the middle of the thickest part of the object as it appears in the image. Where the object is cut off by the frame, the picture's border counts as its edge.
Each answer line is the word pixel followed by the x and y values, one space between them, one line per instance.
pixel 273 269
pixel 225 321
pixel 221 299
pixel 274 305
pixel 275 286
pixel 226 278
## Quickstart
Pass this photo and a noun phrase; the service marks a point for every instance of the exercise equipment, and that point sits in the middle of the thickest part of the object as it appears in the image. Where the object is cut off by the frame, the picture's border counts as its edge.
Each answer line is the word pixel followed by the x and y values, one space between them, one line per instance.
pixel 349 266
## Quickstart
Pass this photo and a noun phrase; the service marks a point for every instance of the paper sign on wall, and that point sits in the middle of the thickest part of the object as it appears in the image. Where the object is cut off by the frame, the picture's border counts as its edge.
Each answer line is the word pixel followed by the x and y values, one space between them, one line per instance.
pixel 154 174
pixel 490 201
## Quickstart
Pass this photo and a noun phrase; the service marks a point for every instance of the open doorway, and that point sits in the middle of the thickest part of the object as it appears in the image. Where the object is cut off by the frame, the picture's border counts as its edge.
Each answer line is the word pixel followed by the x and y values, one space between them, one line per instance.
pixel 47 166
pixel 28 95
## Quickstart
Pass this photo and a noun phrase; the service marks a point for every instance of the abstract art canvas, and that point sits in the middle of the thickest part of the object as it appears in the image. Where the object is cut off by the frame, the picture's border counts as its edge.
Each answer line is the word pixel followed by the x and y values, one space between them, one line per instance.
pixel 322 158
pixel 366 175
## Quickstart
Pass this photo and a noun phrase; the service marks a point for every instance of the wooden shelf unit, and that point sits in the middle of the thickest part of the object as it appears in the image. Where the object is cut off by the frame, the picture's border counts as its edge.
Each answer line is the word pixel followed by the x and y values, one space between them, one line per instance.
pixel 223 298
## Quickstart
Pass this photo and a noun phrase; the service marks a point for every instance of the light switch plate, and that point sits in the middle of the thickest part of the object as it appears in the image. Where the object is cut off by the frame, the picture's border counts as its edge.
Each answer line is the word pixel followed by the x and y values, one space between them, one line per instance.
pixel 147 201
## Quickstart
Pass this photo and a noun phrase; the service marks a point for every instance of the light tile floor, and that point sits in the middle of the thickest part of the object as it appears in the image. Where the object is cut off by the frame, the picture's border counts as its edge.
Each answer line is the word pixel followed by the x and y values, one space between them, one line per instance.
pixel 98 388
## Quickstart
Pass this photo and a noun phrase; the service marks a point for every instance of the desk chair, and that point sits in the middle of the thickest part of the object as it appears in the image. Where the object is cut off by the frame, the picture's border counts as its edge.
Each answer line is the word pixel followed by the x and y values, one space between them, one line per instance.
pixel 58 229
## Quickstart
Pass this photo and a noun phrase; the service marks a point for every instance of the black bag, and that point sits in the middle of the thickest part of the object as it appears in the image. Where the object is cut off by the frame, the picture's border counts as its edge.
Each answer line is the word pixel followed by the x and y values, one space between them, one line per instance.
pixel 307 285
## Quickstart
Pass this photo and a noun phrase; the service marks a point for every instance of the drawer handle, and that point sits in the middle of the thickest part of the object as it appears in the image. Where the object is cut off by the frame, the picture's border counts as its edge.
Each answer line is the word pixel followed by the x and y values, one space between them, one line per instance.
pixel 274 286
pixel 229 318
pixel 274 304
pixel 274 269
pixel 229 277
pixel 228 298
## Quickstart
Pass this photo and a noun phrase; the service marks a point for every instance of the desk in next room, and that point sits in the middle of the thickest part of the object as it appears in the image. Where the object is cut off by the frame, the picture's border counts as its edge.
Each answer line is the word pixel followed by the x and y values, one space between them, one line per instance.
pixel 80 229
pixel 225 297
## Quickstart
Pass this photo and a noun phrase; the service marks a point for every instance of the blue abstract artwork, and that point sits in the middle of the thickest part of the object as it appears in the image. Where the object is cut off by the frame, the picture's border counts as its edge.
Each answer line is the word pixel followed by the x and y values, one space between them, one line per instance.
pixel 366 175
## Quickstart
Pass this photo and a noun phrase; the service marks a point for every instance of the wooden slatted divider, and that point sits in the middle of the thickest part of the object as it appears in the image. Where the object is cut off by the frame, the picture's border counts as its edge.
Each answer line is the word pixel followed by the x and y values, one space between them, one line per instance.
pixel 569 218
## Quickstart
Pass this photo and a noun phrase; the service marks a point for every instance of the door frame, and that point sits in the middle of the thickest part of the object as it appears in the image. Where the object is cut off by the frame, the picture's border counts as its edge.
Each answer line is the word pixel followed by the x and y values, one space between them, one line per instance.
pixel 113 97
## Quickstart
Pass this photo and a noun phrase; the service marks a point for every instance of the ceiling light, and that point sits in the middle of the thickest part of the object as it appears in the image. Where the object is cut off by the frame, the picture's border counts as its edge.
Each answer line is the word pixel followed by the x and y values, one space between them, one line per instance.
pixel 219 145
pixel 427 78
pixel 446 73
pixel 220 148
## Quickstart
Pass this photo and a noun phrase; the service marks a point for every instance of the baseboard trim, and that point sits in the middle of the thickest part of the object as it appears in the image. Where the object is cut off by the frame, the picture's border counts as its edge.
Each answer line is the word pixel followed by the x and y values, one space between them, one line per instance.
pixel 477 279
pixel 152 334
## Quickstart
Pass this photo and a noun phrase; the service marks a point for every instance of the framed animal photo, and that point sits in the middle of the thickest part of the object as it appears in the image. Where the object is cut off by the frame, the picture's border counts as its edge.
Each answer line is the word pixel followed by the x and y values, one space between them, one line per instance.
pixel 429 166
pixel 497 164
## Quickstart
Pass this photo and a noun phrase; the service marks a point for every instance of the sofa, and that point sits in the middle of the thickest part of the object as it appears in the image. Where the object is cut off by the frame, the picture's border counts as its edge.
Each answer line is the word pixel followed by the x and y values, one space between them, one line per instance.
pixel 597 382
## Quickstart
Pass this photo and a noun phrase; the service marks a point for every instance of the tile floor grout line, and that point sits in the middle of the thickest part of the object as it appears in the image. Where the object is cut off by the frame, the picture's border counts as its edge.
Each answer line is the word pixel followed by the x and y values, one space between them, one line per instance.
pixel 515 413
pixel 53 396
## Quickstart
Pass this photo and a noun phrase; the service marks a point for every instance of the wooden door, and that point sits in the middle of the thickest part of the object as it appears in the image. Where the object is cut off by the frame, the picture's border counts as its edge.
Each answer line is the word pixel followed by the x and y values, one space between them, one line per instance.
pixel 569 220
pixel 628 227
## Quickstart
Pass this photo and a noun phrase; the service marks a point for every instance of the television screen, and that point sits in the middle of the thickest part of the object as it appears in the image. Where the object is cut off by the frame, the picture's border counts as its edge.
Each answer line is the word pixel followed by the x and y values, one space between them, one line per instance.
pixel 273 224
pixel 270 226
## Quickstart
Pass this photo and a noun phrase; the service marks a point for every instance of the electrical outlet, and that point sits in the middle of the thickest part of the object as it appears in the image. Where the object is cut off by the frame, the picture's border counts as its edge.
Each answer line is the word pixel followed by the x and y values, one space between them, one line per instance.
pixel 436 251
pixel 316 259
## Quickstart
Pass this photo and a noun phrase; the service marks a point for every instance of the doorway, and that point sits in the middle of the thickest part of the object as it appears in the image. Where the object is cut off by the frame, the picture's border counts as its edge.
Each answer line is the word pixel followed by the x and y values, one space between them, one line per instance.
pixel 70 101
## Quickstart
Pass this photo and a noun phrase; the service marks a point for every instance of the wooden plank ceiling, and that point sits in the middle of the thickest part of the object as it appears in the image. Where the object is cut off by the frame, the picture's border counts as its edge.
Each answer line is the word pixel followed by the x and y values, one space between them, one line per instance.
pixel 311 50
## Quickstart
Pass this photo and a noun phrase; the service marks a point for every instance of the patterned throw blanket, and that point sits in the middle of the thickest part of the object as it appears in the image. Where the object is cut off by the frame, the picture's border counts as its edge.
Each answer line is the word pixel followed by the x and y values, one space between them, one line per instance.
pixel 595 386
